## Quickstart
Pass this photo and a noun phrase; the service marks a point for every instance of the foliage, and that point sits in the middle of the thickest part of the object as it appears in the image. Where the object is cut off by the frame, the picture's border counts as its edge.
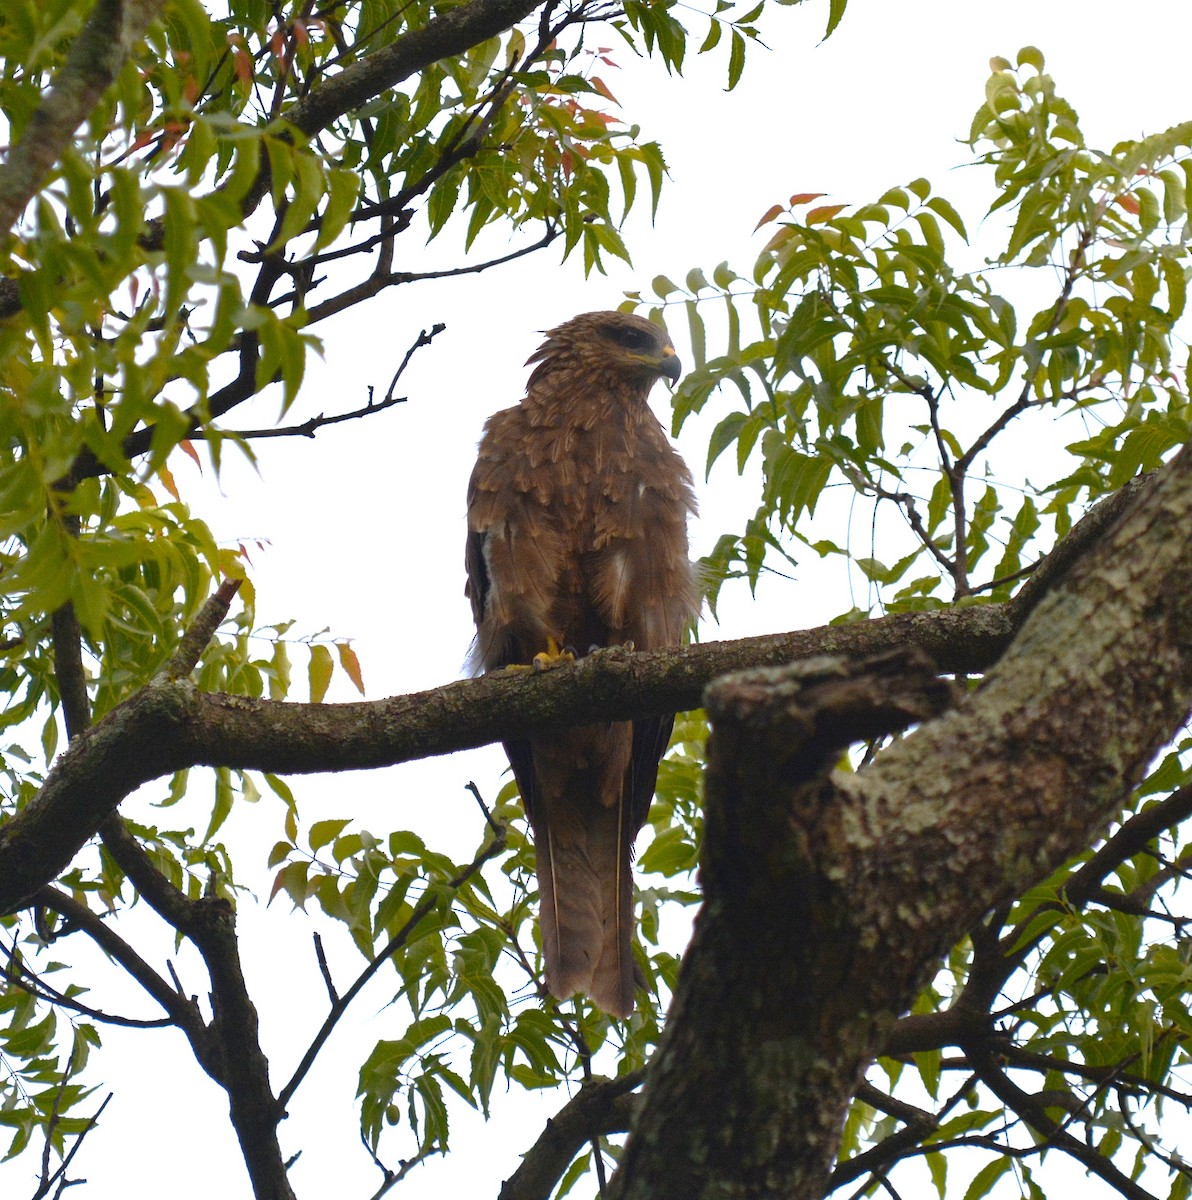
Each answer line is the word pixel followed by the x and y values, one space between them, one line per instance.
pixel 864 369
pixel 247 176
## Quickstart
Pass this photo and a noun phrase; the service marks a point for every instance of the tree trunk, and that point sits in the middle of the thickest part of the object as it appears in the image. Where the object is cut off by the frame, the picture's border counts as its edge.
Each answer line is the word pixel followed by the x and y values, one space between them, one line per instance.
pixel 829 898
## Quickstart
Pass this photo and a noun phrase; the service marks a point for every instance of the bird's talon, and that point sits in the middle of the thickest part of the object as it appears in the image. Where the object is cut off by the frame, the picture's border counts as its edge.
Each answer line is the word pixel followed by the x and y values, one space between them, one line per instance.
pixel 552 656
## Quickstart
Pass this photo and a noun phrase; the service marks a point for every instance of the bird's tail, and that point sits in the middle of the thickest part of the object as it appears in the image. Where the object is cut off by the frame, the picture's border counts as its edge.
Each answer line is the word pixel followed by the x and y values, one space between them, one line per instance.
pixel 583 840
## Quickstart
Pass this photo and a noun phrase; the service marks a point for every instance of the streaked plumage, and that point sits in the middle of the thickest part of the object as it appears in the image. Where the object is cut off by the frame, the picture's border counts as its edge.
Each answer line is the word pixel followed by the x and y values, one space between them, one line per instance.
pixel 577 532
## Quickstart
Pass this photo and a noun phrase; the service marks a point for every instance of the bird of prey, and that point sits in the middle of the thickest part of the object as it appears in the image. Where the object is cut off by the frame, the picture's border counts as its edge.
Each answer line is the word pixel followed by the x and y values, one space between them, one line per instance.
pixel 577 538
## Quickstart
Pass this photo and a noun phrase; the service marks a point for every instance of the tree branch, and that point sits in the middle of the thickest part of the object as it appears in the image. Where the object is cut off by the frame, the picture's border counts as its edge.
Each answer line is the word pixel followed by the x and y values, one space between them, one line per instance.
pixel 170 725
pixel 311 427
pixel 601 1106
pixel 181 1012
pixel 96 57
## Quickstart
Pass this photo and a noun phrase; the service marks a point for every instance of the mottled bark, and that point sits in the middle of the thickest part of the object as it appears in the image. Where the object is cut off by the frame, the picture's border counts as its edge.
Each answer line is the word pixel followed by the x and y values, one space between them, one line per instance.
pixel 169 724
pixel 779 1004
pixel 828 901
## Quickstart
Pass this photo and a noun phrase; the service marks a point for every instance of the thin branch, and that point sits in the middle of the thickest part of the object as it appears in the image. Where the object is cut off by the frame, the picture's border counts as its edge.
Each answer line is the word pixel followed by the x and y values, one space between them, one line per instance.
pixel 180 1011
pixel 1084 885
pixel 378 282
pixel 30 982
pixel 906 502
pixel 67 640
pixel 60 1174
pixel 1034 1113
pixel 1076 263
pixel 325 970
pixel 390 1179
pixel 201 631
pixel 1021 1058
pixel 311 427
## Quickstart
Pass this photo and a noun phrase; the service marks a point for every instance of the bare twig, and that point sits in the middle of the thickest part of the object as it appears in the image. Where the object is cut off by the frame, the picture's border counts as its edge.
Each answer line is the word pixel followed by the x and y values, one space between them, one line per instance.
pixel 19 975
pixel 310 427
pixel 59 1176
pixel 378 282
pixel 325 970
pixel 390 1179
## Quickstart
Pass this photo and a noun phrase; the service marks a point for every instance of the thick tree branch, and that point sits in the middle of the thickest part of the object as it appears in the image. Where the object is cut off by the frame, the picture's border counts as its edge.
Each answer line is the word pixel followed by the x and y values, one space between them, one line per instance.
pixel 95 58
pixel 450 32
pixel 169 725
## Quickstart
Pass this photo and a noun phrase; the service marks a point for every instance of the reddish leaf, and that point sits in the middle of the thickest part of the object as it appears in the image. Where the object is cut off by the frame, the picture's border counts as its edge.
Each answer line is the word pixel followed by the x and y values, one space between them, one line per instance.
pixel 242 64
pixel 775 210
pixel 1129 204
pixel 806 197
pixel 351 665
pixel 602 88
pixel 188 448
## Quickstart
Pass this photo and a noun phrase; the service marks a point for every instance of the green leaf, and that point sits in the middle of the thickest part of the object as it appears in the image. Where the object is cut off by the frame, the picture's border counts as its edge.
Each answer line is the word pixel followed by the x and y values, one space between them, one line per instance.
pixel 986 1177
pixel 835 13
pixel 736 60
pixel 322 833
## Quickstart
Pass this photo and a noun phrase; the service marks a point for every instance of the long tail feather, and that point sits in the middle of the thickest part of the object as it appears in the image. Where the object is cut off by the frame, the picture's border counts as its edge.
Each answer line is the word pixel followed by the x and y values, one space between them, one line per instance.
pixel 581 832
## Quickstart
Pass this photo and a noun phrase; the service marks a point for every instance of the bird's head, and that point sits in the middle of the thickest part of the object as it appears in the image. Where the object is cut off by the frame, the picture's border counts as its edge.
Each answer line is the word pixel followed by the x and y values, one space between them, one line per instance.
pixel 613 346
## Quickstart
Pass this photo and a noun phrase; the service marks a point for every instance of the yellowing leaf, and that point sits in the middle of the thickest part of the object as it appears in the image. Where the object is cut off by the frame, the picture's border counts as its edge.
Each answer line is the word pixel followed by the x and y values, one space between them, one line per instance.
pixel 825 212
pixel 167 481
pixel 319 672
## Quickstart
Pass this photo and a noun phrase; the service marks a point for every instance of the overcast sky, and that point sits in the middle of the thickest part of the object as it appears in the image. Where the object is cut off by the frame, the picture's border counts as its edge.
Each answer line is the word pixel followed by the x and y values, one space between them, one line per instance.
pixel 365 524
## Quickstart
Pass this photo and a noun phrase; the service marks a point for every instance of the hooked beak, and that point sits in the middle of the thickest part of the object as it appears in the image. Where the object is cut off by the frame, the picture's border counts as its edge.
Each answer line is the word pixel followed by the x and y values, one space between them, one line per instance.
pixel 670 367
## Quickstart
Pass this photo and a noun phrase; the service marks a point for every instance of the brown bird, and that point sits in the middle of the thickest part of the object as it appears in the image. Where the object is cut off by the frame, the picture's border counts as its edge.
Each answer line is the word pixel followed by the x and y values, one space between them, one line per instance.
pixel 577 538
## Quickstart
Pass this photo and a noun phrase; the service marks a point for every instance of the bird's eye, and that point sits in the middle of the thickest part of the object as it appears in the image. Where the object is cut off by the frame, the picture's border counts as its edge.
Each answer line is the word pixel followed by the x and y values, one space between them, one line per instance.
pixel 630 338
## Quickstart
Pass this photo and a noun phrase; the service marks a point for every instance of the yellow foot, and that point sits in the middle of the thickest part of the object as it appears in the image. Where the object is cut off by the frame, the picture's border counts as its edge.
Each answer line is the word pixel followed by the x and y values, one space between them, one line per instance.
pixel 552 656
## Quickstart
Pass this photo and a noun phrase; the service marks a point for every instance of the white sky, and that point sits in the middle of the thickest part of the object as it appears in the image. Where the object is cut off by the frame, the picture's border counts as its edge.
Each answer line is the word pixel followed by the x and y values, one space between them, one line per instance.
pixel 365 524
